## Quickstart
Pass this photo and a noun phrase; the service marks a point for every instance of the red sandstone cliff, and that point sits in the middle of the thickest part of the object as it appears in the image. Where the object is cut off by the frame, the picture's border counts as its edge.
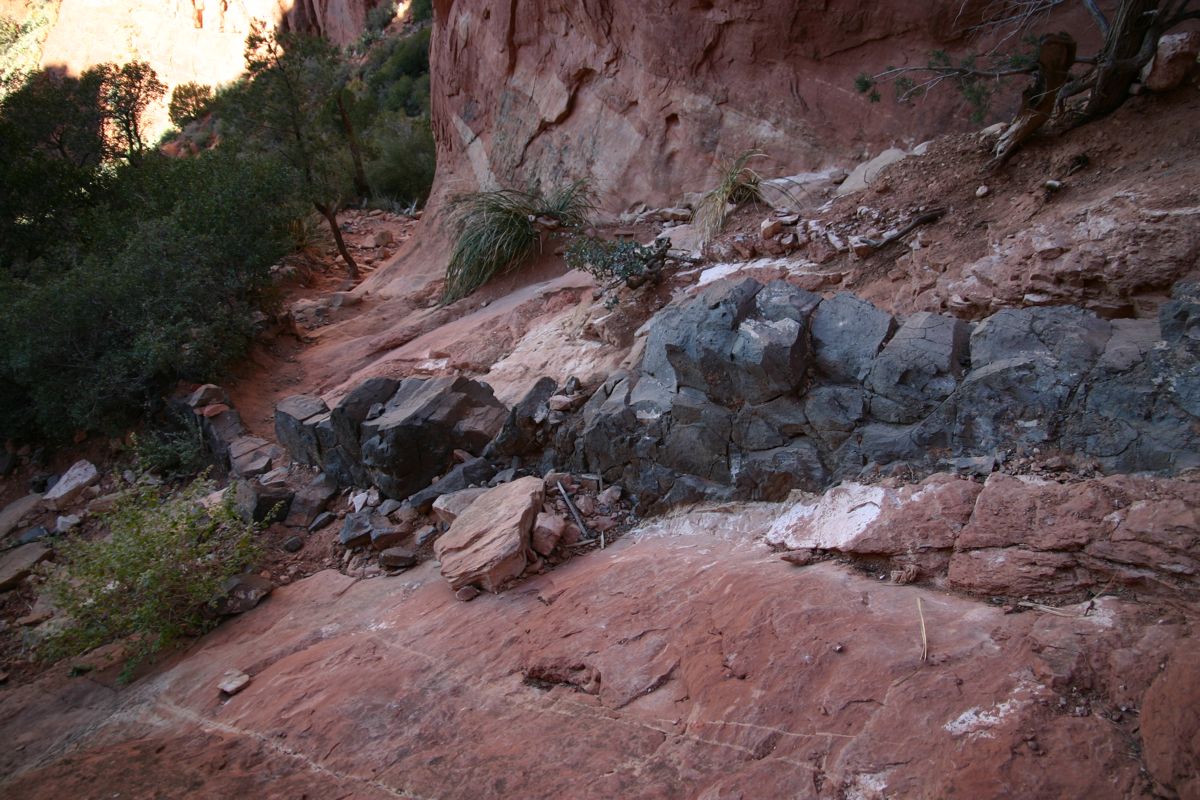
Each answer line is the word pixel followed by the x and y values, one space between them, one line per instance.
pixel 643 96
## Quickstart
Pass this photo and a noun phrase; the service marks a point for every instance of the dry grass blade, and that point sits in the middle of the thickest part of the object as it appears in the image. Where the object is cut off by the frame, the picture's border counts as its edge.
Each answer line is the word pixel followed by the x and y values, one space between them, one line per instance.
pixel 924 635
pixel 739 184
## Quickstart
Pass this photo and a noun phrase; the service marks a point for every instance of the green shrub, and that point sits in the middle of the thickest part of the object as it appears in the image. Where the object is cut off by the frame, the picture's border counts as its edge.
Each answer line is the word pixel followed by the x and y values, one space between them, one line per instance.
pixel 404 167
pixel 738 185
pixel 624 261
pixel 155 580
pixel 421 10
pixel 174 448
pixel 189 101
pixel 497 231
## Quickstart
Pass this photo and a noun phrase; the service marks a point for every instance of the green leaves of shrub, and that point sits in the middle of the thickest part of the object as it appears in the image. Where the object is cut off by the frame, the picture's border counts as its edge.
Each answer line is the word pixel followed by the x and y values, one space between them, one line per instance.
pixel 155 579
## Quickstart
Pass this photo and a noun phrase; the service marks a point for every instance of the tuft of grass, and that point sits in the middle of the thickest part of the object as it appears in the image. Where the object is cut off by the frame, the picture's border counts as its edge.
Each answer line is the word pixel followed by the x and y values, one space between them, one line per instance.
pixel 738 185
pixel 497 231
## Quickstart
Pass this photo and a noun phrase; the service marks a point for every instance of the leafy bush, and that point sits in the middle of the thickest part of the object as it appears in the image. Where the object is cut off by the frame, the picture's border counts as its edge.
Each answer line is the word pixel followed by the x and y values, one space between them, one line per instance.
pixel 173 449
pixel 397 74
pixel 155 579
pixel 738 185
pixel 421 10
pixel 624 261
pixel 403 170
pixel 160 285
pixel 381 16
pixel 498 231
pixel 189 101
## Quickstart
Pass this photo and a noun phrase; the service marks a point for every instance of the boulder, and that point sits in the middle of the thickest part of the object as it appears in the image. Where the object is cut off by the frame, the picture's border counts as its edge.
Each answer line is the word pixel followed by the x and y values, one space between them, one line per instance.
pixel 397 558
pixel 487 545
pixel 918 368
pixel 773 474
pixel 1174 59
pixel 207 395
pixel 864 174
pixel 412 440
pixel 262 501
pixel 477 471
pixel 1170 724
pixel 449 507
pixel 242 593
pixel 250 456
pixel 16 511
pixel 547 530
pixel 71 485
pixel 525 431
pixel 847 334
pixel 296 420
pixel 18 563
pixel 356 530
pixel 340 435
pixel 310 500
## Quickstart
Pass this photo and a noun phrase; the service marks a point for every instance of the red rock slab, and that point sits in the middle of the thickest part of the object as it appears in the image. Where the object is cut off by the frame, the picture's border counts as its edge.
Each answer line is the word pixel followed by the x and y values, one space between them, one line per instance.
pixel 684 661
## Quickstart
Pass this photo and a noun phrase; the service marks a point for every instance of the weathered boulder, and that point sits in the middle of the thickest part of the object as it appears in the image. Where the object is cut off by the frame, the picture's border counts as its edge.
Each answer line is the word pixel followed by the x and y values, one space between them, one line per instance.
pixel 356 529
pixel 773 474
pixel 339 436
pixel 16 511
pixel 16 564
pixel 71 485
pixel 449 507
pixel 397 558
pixel 310 500
pixel 524 431
pixel 1174 59
pixel 487 545
pixel 242 593
pixel 1170 722
pixel 475 472
pixel 847 334
pixel 260 500
pixel 411 441
pixel 547 531
pixel 296 420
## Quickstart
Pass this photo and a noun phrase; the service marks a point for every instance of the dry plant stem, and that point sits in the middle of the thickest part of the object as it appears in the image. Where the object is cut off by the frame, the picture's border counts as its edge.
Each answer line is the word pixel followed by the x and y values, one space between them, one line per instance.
pixel 933 215
pixel 575 513
pixel 924 636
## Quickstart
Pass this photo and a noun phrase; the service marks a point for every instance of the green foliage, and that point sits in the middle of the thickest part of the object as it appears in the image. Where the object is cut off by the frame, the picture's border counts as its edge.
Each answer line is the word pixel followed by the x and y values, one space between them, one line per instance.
pixel 406 158
pixel 397 74
pixel 173 449
pixel 160 284
pixel 381 16
pixel 189 101
pixel 623 261
pixel 421 10
pixel 128 90
pixel 738 184
pixel 498 231
pixel 155 579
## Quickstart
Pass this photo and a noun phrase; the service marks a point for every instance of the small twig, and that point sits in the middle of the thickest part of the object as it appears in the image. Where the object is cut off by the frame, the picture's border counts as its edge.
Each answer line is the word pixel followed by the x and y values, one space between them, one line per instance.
pixel 924 636
pixel 575 513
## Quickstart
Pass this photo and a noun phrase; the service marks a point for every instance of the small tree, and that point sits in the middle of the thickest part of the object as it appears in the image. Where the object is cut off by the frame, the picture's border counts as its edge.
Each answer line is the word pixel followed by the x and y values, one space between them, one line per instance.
pixel 287 108
pixel 1131 37
pixel 128 91
pixel 189 101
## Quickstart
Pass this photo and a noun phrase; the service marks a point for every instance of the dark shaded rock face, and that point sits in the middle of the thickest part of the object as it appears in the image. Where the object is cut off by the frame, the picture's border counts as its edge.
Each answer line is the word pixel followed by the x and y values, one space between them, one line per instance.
pixel 395 435
pixel 751 391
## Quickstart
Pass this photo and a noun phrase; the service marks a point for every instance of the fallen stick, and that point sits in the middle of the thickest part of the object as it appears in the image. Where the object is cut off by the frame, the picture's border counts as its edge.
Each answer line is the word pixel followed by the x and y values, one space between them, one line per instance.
pixel 575 513
pixel 933 215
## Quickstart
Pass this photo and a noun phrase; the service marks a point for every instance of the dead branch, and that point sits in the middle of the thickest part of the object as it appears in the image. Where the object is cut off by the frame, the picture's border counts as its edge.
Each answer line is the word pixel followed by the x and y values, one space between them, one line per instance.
pixel 932 215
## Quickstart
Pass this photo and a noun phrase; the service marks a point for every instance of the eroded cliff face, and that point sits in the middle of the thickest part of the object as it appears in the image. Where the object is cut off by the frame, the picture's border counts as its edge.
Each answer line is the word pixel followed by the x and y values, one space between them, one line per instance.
pixel 643 97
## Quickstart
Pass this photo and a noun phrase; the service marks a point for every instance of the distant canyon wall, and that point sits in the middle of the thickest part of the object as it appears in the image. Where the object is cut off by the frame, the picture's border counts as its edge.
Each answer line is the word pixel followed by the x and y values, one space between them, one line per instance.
pixel 644 97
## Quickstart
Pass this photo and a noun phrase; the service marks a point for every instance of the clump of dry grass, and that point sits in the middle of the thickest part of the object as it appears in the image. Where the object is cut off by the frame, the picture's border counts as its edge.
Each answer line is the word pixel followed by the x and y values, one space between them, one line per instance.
pixel 739 184
pixel 497 231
